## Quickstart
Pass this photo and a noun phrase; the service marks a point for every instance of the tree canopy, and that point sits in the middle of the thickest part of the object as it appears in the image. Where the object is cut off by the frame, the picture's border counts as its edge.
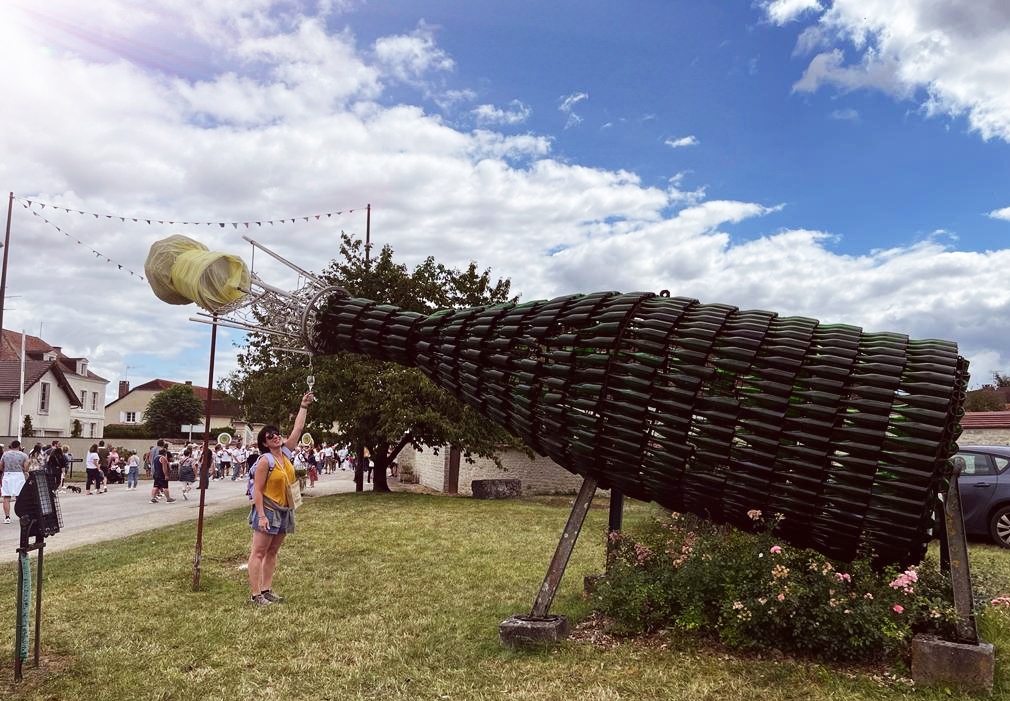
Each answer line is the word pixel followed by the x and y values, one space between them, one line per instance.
pixel 172 408
pixel 375 404
pixel 985 399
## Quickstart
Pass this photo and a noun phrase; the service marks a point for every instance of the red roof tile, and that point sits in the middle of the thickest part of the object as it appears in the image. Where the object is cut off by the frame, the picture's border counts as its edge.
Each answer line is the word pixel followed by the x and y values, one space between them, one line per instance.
pixel 10 376
pixel 35 348
pixel 986 419
pixel 221 405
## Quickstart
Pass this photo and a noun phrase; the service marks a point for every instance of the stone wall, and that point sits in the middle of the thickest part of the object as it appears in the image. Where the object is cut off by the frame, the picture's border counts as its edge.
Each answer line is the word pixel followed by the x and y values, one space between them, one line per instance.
pixel 539 475
pixel 985 436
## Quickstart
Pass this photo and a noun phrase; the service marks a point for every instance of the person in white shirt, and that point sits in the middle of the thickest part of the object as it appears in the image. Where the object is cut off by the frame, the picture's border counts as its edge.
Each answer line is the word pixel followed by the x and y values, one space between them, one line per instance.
pixel 224 458
pixel 238 462
pixel 14 465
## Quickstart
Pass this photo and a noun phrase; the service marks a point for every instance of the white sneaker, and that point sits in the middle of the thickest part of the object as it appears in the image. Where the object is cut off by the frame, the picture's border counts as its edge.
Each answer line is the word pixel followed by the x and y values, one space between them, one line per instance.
pixel 7 519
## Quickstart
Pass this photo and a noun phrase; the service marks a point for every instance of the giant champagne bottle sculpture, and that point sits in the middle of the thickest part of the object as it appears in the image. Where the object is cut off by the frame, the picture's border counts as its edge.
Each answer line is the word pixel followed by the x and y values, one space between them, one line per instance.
pixel 702 408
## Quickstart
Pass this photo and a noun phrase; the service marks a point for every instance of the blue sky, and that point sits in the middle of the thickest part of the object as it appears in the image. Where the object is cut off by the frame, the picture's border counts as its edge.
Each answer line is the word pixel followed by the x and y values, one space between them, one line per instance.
pixel 864 165
pixel 841 159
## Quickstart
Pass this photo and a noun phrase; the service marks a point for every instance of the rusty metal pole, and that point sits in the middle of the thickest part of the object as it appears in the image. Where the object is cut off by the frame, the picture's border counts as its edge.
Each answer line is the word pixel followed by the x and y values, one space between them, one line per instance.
pixel 542 604
pixel 204 462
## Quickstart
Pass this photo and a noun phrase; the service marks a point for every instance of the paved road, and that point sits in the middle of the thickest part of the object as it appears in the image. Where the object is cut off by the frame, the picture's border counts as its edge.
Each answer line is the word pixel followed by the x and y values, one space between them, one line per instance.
pixel 119 512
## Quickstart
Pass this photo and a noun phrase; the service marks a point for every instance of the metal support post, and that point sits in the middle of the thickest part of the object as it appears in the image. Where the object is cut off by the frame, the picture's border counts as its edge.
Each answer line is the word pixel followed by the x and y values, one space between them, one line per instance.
pixel 38 598
pixel 556 570
pixel 960 574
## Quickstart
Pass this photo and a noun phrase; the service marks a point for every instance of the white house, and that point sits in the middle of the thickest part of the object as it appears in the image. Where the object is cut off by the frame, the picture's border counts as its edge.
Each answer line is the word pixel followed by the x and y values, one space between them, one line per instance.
pixel 58 390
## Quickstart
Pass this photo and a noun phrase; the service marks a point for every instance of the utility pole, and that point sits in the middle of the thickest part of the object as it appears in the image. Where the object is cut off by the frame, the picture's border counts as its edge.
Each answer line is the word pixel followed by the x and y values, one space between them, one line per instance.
pixel 368 232
pixel 3 274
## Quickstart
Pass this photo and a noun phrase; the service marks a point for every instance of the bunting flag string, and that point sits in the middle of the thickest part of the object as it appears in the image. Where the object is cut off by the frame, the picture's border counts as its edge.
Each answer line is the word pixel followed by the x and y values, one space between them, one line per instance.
pixel 37 208
pixel 31 204
pixel 76 240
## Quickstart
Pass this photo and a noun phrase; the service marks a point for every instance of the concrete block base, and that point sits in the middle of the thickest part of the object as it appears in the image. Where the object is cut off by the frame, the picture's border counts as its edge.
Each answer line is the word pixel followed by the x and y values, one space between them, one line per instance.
pixel 938 662
pixel 530 632
pixel 496 488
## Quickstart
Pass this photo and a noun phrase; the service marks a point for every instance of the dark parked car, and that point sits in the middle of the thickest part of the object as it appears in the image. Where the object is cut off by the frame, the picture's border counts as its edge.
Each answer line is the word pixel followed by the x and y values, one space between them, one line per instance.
pixel 985 491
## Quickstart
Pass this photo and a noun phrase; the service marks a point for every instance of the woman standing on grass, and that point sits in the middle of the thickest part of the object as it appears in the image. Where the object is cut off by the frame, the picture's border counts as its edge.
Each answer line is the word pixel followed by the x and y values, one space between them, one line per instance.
pixel 271 517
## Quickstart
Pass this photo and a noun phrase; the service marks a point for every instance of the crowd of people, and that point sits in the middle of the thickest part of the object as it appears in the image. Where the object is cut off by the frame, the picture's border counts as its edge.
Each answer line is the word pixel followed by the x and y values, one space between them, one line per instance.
pixel 271 467
pixel 106 464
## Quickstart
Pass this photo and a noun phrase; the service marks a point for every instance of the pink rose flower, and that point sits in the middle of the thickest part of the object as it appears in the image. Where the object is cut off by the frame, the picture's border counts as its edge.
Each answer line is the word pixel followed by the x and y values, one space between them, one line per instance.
pixel 898 608
pixel 776 550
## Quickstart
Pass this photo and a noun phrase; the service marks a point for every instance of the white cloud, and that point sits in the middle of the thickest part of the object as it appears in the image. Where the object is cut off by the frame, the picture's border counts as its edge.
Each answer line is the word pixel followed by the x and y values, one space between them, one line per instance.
pixel 874 72
pixel 785 11
pixel 955 54
pixel 489 115
pixel 682 142
pixel 282 118
pixel 1001 214
pixel 847 115
pixel 410 57
pixel 567 106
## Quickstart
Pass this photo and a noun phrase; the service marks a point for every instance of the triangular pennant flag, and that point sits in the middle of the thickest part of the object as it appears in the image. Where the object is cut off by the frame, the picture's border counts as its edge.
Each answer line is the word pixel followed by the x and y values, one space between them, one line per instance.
pixel 234 225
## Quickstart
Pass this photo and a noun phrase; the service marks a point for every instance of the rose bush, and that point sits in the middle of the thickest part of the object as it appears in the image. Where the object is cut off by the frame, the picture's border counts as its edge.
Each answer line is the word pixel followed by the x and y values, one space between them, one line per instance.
pixel 756 593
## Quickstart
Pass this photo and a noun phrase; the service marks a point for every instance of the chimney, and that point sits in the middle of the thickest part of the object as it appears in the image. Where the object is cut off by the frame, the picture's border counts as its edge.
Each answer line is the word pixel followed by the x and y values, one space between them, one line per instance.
pixel 189 382
pixel 124 388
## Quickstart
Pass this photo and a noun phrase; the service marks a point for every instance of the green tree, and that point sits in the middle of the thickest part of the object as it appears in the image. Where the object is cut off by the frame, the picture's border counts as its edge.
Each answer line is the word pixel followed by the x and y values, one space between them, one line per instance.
pixel 376 405
pixel 27 429
pixel 172 408
pixel 1000 381
pixel 76 429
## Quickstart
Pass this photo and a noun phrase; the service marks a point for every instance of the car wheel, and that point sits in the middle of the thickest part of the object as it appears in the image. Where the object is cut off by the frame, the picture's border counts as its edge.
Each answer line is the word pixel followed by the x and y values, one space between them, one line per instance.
pixel 999 526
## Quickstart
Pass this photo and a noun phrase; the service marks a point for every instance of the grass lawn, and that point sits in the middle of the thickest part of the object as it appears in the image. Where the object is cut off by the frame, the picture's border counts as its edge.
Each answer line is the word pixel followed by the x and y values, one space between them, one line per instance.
pixel 389 597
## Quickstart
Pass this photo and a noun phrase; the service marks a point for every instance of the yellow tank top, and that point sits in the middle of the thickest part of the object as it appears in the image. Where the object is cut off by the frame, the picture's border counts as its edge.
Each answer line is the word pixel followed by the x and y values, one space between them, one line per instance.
pixel 278 479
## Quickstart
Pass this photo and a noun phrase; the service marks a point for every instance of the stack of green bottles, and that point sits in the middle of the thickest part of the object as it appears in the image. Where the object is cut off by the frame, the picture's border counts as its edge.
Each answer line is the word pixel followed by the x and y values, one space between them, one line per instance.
pixel 702 408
